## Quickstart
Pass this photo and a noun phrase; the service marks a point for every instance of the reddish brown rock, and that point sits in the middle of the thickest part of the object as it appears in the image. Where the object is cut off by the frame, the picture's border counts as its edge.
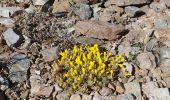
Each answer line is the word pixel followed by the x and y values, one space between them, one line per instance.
pixel 61 6
pixel 100 30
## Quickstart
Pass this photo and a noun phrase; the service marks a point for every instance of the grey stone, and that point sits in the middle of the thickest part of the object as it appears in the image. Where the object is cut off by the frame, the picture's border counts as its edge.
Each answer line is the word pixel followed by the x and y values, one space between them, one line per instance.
pixel 105 91
pixel 19 67
pixel 160 94
pixel 63 96
pixel 151 44
pixel 160 23
pixel 75 97
pixel 39 2
pixel 4 83
pixel 11 38
pixel 50 54
pixel 158 6
pixel 133 11
pixel 127 96
pixel 167 2
pixel 164 53
pixel 7 11
pixel 97 96
pixel 129 2
pixel 83 11
pixel 148 87
pixel 146 60
pixel 134 88
pixel 86 97
pixel 7 22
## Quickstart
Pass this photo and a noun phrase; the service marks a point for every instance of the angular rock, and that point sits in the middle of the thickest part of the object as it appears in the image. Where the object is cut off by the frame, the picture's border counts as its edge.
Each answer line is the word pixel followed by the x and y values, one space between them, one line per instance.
pixel 19 67
pixel 160 94
pixel 133 88
pixel 7 22
pixel 97 96
pixel 63 96
pixel 133 11
pixel 100 30
pixel 7 11
pixel 165 67
pixel 164 53
pixel 50 54
pixel 4 83
pixel 86 97
pixel 148 87
pixel 12 38
pixel 57 88
pixel 120 88
pixel 61 6
pixel 127 96
pixel 35 82
pixel 129 2
pixel 83 11
pixel 105 91
pixel 39 2
pixel 163 35
pixel 75 97
pixel 44 91
pixel 146 60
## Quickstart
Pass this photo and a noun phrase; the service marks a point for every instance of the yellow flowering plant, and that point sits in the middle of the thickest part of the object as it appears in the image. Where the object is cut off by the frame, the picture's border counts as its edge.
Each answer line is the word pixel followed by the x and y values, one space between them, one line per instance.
pixel 86 68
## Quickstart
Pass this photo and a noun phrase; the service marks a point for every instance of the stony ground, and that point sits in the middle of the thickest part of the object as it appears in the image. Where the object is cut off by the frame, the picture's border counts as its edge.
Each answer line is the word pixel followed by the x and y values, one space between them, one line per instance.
pixel 33 32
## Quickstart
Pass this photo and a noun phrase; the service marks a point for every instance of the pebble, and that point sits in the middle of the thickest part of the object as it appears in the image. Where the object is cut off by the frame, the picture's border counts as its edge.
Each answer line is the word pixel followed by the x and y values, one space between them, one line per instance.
pixel 19 68
pixel 61 6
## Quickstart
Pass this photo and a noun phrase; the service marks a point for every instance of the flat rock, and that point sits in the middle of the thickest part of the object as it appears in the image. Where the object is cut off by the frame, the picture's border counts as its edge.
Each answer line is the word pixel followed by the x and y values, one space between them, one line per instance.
pixel 39 2
pixel 100 30
pixel 7 22
pixel 75 97
pixel 148 87
pixel 19 67
pixel 160 94
pixel 129 2
pixel 61 6
pixel 134 88
pixel 49 54
pixel 63 96
pixel 127 96
pixel 163 35
pixel 86 97
pixel 133 11
pixel 146 60
pixel 84 11
pixel 12 38
pixel 7 11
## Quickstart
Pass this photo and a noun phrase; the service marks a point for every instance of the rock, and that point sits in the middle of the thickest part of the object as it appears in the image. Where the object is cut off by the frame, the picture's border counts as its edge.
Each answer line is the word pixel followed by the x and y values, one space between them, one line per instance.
pixel 39 2
pixel 61 6
pixel 75 97
pixel 164 53
pixel 87 40
pixel 86 97
pixel 35 82
pixel 146 60
pixel 159 94
pixel 151 44
pixel 86 1
pixel 19 67
pixel 110 98
pixel 57 88
pixel 105 91
pixel 63 96
pixel 167 81
pixel 126 97
pixel 83 11
pixel 158 6
pixel 12 38
pixel 167 2
pixel 148 87
pixel 106 15
pixel 25 95
pixel 19 0
pixel 133 88
pixel 97 96
pixel 49 54
pixel 30 9
pixel 44 91
pixel 100 30
pixel 7 11
pixel 163 35
pixel 4 83
pixel 120 88
pixel 165 67
pixel 133 11
pixel 160 23
pixel 129 2
pixel 7 22
pixel 128 66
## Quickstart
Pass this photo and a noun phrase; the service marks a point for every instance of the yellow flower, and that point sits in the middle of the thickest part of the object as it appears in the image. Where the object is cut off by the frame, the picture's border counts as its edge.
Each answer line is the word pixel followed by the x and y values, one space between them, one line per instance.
pixel 78 61
pixel 66 75
pixel 83 70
